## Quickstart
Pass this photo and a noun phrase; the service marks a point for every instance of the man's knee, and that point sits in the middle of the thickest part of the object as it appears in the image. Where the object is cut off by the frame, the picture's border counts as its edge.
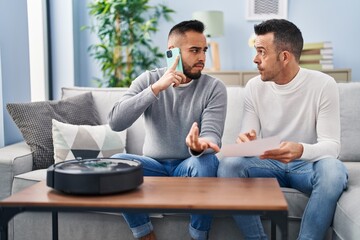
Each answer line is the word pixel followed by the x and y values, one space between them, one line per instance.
pixel 331 174
pixel 232 167
pixel 204 166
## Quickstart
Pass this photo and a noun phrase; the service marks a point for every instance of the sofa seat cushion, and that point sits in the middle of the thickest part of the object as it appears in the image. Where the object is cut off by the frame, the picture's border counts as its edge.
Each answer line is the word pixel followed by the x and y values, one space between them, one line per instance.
pixel 296 201
pixel 346 223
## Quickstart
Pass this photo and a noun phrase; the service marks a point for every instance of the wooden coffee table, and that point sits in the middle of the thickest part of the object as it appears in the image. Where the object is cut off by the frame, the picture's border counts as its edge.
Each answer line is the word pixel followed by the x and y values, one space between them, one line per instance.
pixel 159 195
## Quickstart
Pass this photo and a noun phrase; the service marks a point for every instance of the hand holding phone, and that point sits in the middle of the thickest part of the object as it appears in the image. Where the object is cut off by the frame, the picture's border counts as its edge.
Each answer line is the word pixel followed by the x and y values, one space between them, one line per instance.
pixel 171 55
pixel 174 75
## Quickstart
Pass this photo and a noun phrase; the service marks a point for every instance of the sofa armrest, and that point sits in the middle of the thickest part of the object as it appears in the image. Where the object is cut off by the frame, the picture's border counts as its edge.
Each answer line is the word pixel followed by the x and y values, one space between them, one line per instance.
pixel 14 159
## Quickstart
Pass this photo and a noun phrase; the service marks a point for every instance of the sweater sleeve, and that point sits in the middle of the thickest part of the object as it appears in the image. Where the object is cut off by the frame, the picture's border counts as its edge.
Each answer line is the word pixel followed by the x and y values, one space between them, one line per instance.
pixel 213 116
pixel 327 126
pixel 133 103
pixel 250 118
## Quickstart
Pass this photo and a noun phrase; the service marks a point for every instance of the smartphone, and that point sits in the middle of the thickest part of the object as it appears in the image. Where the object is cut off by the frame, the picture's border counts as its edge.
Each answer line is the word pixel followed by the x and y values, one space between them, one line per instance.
pixel 171 55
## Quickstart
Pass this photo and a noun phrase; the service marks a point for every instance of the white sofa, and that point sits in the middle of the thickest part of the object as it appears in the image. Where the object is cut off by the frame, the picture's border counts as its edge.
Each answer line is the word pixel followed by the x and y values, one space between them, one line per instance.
pixel 16 174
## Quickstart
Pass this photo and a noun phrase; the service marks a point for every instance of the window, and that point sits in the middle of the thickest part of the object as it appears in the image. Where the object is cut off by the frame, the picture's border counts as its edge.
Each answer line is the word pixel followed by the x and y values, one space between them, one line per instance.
pixel 38 50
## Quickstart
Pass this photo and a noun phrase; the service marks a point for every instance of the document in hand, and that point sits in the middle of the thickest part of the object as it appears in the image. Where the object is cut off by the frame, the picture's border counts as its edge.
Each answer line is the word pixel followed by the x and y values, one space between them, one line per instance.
pixel 252 148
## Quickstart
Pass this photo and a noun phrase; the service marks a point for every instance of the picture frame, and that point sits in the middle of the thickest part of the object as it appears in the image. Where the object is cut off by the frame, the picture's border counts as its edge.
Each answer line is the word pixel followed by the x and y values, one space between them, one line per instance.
pixel 258 10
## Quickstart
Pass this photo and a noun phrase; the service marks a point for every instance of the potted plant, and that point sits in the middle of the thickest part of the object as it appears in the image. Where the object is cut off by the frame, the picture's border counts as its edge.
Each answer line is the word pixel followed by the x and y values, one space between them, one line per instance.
pixel 124 29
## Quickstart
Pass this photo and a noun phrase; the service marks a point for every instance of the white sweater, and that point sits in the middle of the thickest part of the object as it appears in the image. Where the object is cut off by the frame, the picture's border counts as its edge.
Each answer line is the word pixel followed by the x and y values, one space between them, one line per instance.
pixel 306 111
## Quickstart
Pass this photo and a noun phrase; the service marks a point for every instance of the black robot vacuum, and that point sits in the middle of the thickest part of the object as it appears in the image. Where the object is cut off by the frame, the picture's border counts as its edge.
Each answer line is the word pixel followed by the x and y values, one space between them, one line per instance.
pixel 95 176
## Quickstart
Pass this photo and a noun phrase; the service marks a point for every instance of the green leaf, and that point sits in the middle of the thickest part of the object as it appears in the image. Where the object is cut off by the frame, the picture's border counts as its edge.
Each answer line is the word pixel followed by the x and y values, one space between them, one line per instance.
pixel 132 35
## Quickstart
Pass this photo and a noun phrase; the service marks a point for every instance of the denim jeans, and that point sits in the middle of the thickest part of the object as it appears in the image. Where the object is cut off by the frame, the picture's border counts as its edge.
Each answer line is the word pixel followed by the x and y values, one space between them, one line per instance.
pixel 204 166
pixel 323 181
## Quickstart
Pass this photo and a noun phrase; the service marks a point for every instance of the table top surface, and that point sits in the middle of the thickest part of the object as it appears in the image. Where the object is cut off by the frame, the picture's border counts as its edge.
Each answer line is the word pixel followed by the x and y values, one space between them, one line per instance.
pixel 166 193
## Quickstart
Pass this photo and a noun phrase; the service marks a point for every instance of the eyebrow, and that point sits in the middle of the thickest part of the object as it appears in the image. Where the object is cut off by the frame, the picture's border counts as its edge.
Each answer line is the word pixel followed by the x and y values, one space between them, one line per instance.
pixel 260 50
pixel 260 47
pixel 197 48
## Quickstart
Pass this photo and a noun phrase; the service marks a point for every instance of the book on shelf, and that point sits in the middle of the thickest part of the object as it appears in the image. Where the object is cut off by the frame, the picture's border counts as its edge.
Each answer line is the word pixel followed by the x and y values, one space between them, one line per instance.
pixel 312 57
pixel 317 66
pixel 317 55
pixel 319 61
pixel 322 51
pixel 317 45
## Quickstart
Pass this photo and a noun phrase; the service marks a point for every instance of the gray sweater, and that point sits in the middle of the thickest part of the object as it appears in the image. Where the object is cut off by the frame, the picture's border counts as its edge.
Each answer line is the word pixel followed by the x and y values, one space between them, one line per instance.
pixel 169 116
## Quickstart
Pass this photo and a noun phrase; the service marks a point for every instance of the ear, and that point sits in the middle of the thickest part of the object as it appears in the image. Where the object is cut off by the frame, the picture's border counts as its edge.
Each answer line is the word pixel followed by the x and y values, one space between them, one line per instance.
pixel 285 56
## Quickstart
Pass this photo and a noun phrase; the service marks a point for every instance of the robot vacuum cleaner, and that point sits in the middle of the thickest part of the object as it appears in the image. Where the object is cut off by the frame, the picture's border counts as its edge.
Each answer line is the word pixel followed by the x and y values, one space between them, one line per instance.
pixel 95 176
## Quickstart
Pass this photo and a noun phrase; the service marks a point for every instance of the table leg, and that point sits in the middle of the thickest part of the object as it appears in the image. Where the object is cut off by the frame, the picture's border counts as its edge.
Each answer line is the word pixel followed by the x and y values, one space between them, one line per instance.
pixel 6 214
pixel 54 225
pixel 280 219
pixel 273 230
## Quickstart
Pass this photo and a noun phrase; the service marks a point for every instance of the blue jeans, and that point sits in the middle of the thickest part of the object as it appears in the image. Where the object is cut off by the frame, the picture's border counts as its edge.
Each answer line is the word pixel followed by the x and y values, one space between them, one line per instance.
pixel 323 181
pixel 203 166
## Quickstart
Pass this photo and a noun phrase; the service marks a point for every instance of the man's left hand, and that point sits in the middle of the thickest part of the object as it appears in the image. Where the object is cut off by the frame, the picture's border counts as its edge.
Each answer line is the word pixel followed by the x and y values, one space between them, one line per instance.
pixel 198 144
pixel 287 152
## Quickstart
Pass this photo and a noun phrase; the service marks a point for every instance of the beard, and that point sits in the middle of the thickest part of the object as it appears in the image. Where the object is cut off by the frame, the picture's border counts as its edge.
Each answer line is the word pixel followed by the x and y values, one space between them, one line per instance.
pixel 189 74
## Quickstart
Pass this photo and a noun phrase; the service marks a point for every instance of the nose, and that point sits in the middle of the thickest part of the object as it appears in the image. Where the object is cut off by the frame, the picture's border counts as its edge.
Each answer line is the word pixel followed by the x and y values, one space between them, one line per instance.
pixel 202 56
pixel 256 59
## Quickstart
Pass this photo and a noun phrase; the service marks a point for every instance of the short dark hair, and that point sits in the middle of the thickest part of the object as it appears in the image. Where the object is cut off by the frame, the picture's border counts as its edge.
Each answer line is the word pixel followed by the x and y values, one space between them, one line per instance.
pixel 287 36
pixel 185 26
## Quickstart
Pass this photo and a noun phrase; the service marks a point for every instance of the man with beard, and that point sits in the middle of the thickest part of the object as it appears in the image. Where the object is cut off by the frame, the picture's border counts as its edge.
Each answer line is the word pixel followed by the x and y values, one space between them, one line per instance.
pixel 184 121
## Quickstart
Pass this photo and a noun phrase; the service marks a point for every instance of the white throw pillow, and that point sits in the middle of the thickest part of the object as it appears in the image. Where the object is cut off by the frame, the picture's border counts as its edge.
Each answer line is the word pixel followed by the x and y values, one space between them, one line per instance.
pixel 85 141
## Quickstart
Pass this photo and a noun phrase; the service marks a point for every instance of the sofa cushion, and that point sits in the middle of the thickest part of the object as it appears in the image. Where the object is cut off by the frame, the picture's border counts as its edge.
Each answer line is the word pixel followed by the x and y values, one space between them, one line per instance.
pixel 296 201
pixel 104 100
pixel 34 121
pixel 346 223
pixel 350 124
pixel 15 159
pixel 235 99
pixel 85 141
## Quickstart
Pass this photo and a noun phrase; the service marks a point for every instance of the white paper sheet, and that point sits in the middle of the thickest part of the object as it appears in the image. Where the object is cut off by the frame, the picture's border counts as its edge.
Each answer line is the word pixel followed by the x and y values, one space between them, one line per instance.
pixel 252 148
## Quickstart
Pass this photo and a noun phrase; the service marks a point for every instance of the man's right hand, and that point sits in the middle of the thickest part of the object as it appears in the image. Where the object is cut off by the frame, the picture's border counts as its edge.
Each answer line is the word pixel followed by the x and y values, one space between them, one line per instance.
pixel 199 144
pixel 170 78
pixel 246 137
